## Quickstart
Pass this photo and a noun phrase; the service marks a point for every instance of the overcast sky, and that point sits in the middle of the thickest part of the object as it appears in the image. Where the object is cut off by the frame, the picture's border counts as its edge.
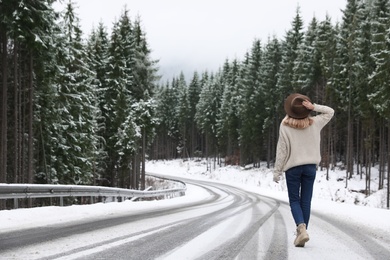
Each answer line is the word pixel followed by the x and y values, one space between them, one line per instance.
pixel 189 35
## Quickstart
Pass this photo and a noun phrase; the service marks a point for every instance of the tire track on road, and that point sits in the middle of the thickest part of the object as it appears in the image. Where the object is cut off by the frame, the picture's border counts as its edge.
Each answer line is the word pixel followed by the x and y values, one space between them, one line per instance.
pixel 236 247
pixel 368 243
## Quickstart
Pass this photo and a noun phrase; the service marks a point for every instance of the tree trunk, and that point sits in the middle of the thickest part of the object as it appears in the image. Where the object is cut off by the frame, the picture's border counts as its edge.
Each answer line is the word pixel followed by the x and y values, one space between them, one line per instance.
pixel 143 159
pixel 361 148
pixel 4 123
pixel 357 147
pixel 16 117
pixel 349 158
pixel 134 173
pixel 382 156
pixel 368 164
pixel 328 152
pixel 30 122
pixel 388 165
pixel 269 150
pixel 30 160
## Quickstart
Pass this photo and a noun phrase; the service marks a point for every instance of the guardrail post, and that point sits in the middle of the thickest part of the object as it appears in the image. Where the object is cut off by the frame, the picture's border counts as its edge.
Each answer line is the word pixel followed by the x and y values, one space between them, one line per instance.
pixel 61 201
pixel 16 203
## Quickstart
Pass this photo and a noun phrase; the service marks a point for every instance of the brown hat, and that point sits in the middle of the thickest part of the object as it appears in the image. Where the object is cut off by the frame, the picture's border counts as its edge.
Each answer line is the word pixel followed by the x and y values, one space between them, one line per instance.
pixel 294 108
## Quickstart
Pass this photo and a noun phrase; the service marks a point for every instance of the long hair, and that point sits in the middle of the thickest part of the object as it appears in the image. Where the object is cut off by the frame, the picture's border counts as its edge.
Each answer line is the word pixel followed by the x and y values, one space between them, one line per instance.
pixel 297 123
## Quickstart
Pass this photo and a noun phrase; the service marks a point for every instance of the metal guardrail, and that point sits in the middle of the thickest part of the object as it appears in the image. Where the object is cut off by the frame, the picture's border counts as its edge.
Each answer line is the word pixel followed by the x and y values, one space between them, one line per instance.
pixel 20 191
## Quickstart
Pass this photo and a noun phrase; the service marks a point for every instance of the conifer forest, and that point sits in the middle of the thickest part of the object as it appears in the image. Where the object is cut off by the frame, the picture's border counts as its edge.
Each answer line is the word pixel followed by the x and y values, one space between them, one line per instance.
pixel 89 107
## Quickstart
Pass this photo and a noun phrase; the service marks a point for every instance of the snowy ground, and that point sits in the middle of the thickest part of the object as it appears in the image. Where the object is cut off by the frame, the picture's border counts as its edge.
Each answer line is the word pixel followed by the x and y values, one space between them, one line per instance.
pixel 331 198
pixel 261 178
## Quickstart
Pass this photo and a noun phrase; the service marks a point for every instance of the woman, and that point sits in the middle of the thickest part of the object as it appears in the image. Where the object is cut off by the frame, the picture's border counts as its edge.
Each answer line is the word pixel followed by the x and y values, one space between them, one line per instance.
pixel 298 154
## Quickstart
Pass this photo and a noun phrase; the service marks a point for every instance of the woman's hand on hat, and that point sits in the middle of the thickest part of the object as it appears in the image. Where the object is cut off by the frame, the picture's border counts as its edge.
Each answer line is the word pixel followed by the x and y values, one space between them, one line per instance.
pixel 308 104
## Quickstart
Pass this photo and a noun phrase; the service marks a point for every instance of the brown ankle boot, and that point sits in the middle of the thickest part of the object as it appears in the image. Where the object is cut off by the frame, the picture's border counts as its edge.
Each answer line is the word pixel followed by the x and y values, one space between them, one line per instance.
pixel 302 236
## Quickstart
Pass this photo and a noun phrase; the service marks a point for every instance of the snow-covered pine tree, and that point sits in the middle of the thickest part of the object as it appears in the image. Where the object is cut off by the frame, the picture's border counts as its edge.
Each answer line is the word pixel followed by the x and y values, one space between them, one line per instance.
pixel 183 116
pixel 194 90
pixel 167 130
pixel 290 47
pixel 228 120
pixel 325 46
pixel 380 79
pixel 143 87
pixel 272 102
pixel 306 71
pixel 252 107
pixel 97 50
pixel 26 76
pixel 207 112
pixel 345 79
pixel 77 103
pixel 117 103
pixel 380 51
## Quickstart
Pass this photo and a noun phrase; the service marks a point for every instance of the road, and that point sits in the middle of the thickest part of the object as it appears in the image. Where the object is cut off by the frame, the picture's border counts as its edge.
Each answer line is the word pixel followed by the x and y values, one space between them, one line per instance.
pixel 229 224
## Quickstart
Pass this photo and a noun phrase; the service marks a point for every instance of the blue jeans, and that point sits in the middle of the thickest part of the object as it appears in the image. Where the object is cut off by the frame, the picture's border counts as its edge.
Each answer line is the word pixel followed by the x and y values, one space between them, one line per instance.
pixel 300 181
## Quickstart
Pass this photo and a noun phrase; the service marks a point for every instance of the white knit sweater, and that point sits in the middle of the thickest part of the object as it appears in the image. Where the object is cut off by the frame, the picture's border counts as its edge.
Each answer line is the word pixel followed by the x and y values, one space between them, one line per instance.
pixel 301 146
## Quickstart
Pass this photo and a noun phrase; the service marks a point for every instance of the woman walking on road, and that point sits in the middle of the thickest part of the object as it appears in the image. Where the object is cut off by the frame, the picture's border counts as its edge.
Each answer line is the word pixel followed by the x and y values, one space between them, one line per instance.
pixel 298 154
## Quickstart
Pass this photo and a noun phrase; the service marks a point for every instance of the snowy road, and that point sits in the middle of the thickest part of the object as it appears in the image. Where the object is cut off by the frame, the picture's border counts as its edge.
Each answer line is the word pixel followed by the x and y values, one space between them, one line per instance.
pixel 229 223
